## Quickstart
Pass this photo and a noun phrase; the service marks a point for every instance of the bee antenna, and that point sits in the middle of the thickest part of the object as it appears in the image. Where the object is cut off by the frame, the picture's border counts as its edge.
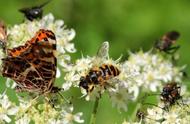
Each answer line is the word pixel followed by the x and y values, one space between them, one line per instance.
pixel 45 3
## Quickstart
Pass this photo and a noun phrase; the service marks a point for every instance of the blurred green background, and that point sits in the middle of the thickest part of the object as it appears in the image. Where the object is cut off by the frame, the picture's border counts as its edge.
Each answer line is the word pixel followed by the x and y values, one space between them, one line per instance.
pixel 126 24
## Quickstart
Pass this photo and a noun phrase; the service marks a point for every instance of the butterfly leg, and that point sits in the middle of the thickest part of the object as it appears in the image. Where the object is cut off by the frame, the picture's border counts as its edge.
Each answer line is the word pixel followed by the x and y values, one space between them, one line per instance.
pixel 19 89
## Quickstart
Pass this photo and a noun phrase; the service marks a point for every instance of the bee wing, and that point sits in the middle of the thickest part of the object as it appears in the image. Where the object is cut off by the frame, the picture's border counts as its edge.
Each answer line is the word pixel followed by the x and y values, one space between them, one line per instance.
pixel 103 51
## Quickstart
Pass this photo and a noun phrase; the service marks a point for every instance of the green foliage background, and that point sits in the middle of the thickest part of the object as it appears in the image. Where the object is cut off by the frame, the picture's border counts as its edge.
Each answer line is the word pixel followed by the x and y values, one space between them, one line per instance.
pixel 126 24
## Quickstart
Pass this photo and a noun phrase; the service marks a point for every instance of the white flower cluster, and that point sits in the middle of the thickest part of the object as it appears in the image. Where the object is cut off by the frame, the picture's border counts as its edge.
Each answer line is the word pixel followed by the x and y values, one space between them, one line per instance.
pixel 141 71
pixel 177 114
pixel 7 109
pixel 152 70
pixel 31 110
pixel 117 87
pixel 19 34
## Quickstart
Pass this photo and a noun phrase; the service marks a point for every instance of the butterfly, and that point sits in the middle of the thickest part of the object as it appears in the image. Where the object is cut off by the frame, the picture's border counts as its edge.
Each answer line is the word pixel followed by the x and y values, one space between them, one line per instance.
pixel 33 65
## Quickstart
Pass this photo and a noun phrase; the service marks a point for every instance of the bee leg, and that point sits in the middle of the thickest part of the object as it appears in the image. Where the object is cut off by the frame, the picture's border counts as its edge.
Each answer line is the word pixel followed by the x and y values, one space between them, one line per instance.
pixel 91 89
pixel 108 85
pixel 184 103
pixel 172 50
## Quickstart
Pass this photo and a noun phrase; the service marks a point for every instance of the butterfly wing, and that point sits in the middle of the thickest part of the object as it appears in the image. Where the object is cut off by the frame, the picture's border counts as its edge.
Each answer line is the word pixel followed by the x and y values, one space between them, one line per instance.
pixel 35 68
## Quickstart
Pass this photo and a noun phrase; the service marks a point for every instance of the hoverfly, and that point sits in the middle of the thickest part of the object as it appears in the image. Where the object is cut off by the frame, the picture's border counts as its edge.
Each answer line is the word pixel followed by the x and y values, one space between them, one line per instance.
pixel 101 72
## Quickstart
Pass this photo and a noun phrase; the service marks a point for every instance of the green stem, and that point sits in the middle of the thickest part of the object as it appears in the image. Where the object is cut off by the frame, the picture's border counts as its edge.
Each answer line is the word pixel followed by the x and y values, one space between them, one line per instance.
pixel 93 115
pixel 133 117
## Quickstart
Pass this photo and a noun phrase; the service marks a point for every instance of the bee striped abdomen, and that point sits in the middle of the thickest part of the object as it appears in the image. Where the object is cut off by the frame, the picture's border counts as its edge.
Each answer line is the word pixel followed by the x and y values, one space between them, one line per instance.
pixel 98 76
pixel 115 71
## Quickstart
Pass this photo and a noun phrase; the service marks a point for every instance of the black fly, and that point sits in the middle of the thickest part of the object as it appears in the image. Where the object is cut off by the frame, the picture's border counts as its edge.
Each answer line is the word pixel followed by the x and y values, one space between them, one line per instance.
pixel 33 12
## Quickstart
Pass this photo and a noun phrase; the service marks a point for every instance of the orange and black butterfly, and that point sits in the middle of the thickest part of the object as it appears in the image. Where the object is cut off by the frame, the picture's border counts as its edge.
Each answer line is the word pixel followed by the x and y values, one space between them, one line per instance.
pixel 167 41
pixel 33 65
pixel 33 12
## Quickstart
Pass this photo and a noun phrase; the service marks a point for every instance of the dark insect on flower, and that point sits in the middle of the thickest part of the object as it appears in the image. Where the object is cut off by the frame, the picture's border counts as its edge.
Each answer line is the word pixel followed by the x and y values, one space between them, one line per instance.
pixel 140 114
pixel 99 75
pixel 33 65
pixel 169 96
pixel 3 35
pixel 166 42
pixel 170 93
pixel 33 12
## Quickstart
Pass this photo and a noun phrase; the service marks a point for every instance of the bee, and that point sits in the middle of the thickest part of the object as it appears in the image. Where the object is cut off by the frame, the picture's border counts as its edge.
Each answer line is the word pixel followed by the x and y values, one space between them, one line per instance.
pixel 99 75
pixel 170 93
pixel 33 12
pixel 3 35
pixel 166 42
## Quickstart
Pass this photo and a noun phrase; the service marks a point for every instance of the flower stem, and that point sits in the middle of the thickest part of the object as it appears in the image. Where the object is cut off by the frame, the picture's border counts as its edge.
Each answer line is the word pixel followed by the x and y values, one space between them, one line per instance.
pixel 93 115
pixel 133 117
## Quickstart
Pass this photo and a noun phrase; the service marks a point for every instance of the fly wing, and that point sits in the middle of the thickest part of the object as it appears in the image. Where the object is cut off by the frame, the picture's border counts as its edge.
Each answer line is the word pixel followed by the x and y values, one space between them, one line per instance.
pixel 103 51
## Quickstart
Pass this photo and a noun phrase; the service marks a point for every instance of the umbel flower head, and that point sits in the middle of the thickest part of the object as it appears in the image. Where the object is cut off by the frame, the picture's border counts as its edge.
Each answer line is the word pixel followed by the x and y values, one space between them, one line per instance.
pixel 7 109
pixel 152 70
pixel 178 113
pixel 30 110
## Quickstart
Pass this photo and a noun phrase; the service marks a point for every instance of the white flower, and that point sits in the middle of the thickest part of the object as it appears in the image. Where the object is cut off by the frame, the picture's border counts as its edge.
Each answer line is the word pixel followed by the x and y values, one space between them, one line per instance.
pixel 119 97
pixel 152 70
pixel 23 120
pixel 7 108
pixel 31 110
pixel 177 114
pixel 69 118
